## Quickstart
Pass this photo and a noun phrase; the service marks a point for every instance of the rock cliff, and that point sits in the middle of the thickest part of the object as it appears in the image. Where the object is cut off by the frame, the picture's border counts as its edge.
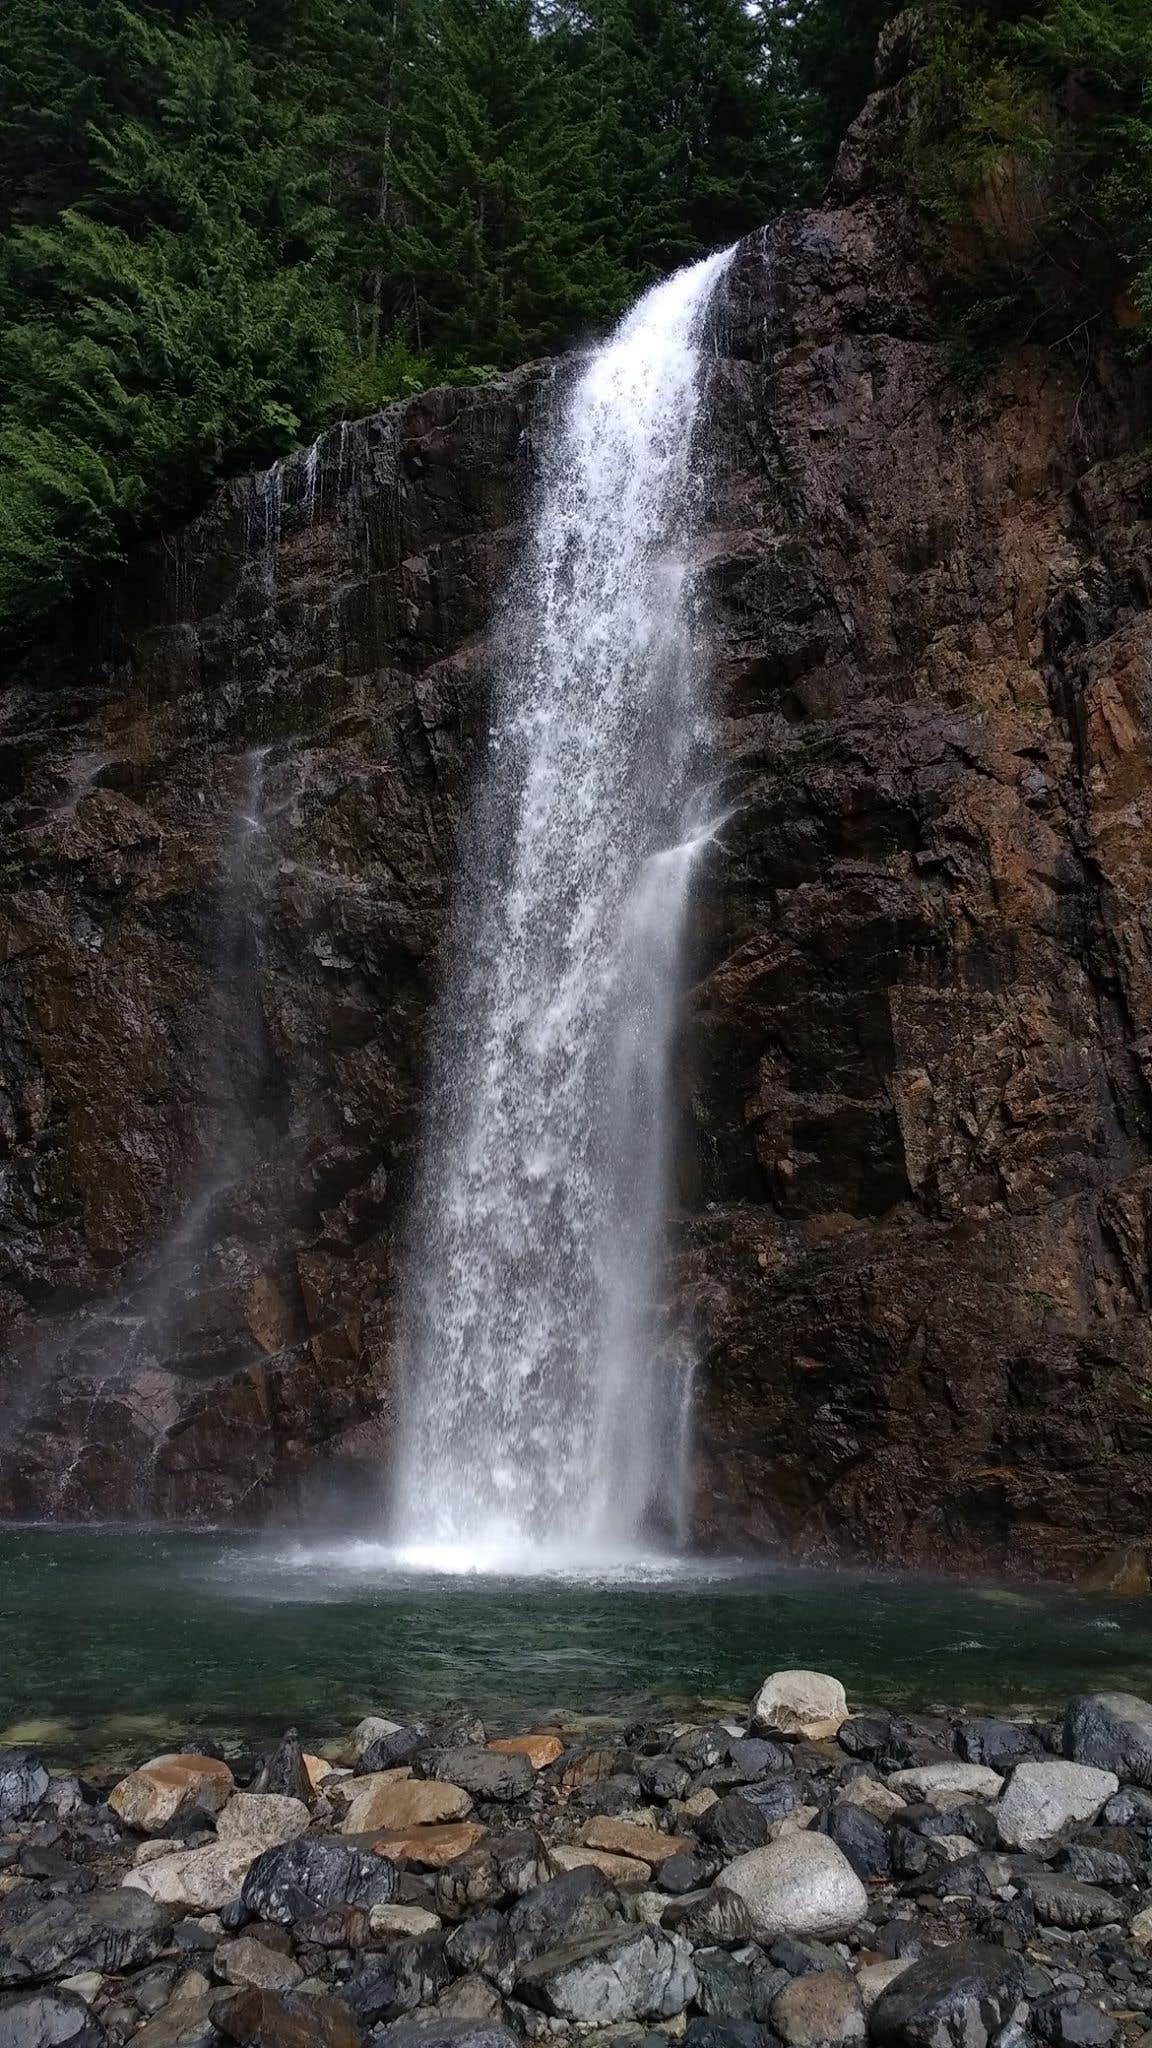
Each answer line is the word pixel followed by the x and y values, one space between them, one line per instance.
pixel 916 1194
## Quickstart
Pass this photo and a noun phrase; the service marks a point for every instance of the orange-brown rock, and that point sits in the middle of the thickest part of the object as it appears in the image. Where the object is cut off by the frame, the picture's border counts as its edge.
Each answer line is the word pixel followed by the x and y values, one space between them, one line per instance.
pixel 152 1796
pixel 627 1838
pixel 384 1799
pixel 428 1848
pixel 540 1750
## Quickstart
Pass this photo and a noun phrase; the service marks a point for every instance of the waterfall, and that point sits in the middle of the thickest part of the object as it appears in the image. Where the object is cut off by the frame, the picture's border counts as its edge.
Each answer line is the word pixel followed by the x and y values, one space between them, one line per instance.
pixel 544 1394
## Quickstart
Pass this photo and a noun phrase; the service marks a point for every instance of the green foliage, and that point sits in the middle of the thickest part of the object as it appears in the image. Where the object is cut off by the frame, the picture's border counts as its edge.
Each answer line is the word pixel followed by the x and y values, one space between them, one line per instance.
pixel 225 222
pixel 1050 102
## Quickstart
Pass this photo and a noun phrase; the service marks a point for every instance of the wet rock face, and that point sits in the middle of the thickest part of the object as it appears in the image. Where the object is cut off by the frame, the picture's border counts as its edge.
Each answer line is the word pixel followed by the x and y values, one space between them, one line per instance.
pixel 917 1152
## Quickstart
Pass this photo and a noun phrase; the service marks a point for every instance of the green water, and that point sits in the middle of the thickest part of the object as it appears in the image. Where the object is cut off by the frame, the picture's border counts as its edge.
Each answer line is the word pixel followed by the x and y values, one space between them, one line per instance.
pixel 116 1642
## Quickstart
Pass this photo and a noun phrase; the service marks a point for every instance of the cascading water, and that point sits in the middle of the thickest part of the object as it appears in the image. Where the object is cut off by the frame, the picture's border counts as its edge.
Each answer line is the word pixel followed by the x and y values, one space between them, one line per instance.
pixel 544 1396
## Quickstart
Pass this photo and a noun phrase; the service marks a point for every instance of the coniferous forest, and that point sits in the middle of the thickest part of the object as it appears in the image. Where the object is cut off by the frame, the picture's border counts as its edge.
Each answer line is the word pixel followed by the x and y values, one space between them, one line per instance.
pixel 223 225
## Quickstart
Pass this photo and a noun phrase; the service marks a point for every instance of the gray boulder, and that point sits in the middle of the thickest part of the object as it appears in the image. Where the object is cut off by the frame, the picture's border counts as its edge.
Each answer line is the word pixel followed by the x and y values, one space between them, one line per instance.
pixel 49 2019
pixel 738 1984
pixel 1064 1902
pixel 1113 1731
pixel 106 1931
pixel 433 2032
pixel 567 1908
pixel 389 1985
pixel 1042 1798
pixel 636 1973
pixel 485 1773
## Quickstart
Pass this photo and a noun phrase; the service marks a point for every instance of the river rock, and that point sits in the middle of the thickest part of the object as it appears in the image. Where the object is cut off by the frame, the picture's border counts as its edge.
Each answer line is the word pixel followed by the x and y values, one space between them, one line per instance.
pixel 106 1931
pixel 484 1946
pixel 824 2006
pixel 196 1880
pixel 294 2019
pixel 709 1916
pixel 469 1998
pixel 998 1744
pixel 431 1847
pixel 49 2019
pixel 267 1818
pixel 806 1703
pixel 386 1986
pixel 540 1750
pixel 1064 1902
pixel 373 1728
pixel 390 1752
pixel 945 1783
pixel 957 1997
pixel 485 1773
pixel 247 1961
pixel 872 1796
pixel 625 1871
pixel 435 2032
pixel 862 1839
pixel 381 1800
pixel 636 1973
pixel 186 2020
pixel 23 1783
pixel 723 2033
pixel 1043 1797
pixel 303 1877
pixel 733 1825
pixel 285 1772
pixel 396 1922
pixel 801 1885
pixel 738 1984
pixel 625 1838
pixel 1113 1731
pixel 150 1798
pixel 578 1903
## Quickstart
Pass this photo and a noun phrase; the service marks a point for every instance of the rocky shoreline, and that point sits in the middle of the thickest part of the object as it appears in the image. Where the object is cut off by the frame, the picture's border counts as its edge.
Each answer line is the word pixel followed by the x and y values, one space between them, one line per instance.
pixel 804 1875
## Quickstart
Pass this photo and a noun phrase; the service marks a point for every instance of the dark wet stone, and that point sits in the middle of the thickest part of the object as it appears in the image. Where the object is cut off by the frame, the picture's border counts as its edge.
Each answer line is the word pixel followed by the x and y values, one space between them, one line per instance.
pixel 712 1917
pixel 581 1902
pixel 802 1958
pixel 485 1945
pixel 737 1984
pixel 865 1735
pixel 862 1838
pixel 683 1873
pixel 106 1931
pixel 485 1773
pixel 1112 1730
pixel 389 1752
pixel 610 1796
pixel 753 1757
pixel 721 2033
pixel 661 1777
pixel 998 1744
pixel 775 1798
pixel 1076 2024
pixel 57 1875
pixel 386 1986
pixel 23 1783
pixel 955 1997
pixel 703 1748
pixel 733 1825
pixel 284 1771
pixel 1064 1902
pixel 49 2019
pixel 1094 1865
pixel 300 1878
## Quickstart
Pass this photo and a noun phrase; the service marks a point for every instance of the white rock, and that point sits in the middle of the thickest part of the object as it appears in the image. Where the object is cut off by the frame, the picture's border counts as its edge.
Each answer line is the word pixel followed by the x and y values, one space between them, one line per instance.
pixel 1141 1928
pixel 404 1922
pixel 88 1983
pixel 873 1978
pixel 807 1703
pixel 802 1885
pixel 369 1730
pixel 265 1817
pixel 1042 1797
pixel 199 1880
pixel 946 1784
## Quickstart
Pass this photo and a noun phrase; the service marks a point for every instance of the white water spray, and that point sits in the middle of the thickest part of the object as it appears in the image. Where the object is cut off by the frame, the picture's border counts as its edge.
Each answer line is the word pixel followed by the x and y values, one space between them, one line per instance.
pixel 545 1395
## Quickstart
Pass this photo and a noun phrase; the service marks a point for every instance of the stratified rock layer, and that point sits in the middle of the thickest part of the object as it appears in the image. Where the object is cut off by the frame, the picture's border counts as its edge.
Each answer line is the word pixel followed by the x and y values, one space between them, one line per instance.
pixel 917 1177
